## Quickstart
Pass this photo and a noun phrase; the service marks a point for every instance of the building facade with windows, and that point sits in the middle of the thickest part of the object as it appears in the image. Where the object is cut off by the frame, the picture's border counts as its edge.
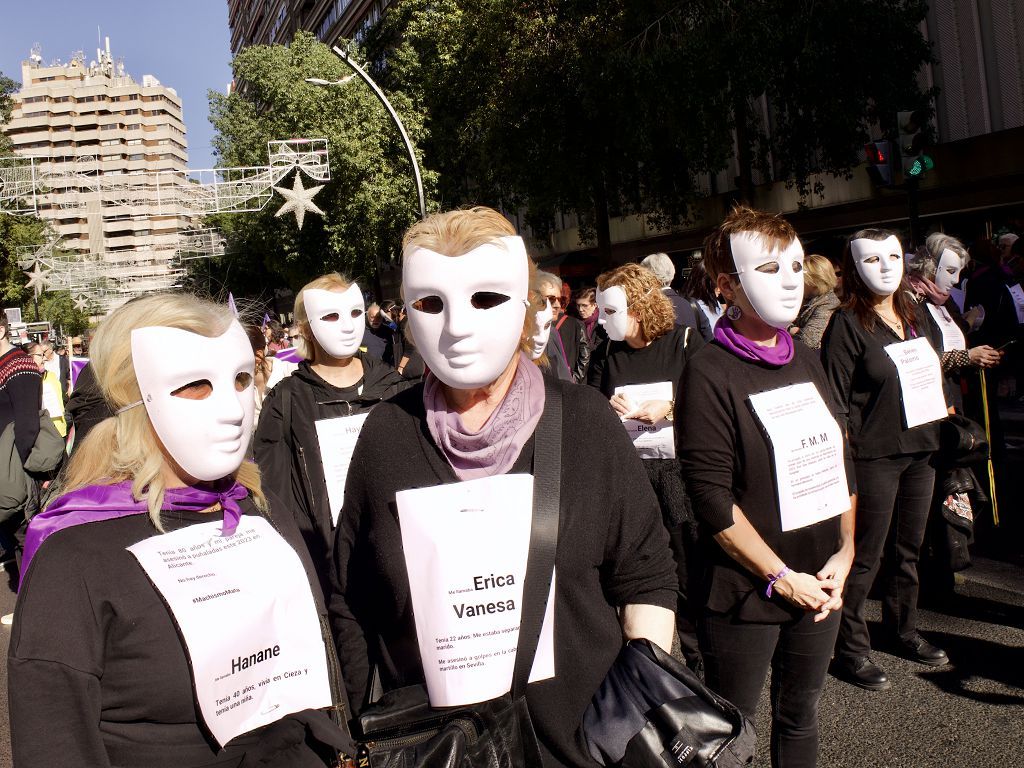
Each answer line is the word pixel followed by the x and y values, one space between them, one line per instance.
pixel 265 22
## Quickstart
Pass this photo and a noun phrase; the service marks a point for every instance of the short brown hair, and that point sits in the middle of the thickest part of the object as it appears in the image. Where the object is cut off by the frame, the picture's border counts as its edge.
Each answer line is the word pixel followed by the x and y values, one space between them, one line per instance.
pixel 775 230
pixel 651 308
pixel 819 275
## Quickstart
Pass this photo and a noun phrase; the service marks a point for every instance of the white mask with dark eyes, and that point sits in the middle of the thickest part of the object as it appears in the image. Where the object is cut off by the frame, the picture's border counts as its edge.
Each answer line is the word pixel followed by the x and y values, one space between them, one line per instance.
pixel 947 271
pixel 879 263
pixel 336 319
pixel 543 321
pixel 772 280
pixel 613 311
pixel 198 394
pixel 467 312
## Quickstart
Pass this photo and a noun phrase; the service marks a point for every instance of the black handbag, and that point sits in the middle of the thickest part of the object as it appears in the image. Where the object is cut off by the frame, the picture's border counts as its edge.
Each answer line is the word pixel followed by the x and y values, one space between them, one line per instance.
pixel 651 711
pixel 402 730
pixel 962 442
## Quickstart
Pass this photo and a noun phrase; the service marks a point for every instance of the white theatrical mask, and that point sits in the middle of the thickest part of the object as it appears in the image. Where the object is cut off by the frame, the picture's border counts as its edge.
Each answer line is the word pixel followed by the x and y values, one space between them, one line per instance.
pixel 336 319
pixel 543 320
pixel 947 271
pixel 772 280
pixel 879 263
pixel 613 311
pixel 198 394
pixel 467 312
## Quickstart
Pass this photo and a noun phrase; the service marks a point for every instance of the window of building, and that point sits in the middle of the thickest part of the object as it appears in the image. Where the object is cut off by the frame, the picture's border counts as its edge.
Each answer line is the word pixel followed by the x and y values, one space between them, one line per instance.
pixel 110 127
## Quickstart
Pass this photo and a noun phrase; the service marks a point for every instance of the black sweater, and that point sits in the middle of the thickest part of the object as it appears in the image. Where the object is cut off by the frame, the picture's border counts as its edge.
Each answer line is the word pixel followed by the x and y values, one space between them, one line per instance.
pixel 866 386
pixel 98 675
pixel 727 459
pixel 21 394
pixel 612 551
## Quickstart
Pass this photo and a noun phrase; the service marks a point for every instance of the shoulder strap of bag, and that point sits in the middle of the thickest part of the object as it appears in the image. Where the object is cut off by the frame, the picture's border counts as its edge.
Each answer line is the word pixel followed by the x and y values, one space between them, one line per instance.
pixel 547 482
pixel 286 416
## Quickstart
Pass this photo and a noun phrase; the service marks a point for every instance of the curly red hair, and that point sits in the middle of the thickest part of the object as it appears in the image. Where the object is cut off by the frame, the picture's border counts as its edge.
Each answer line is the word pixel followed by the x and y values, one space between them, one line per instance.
pixel 651 308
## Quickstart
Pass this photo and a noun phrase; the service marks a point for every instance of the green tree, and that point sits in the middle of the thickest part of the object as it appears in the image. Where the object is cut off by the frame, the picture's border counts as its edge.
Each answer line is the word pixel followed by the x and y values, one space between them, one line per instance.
pixel 370 199
pixel 59 309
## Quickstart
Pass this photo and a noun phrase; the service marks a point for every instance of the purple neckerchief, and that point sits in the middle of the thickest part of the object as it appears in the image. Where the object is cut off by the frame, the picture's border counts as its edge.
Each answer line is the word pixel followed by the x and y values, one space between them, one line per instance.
pixel 745 349
pixel 95 503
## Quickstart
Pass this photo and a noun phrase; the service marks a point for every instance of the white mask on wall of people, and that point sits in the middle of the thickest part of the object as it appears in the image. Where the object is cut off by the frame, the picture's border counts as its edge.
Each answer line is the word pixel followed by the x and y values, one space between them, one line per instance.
pixel 613 311
pixel 947 271
pixel 772 280
pixel 544 320
pixel 198 394
pixel 467 312
pixel 879 263
pixel 336 319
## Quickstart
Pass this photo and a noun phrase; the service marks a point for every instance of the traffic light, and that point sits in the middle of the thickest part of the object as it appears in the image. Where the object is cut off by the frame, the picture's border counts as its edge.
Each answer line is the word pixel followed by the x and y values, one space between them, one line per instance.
pixel 879 157
pixel 912 127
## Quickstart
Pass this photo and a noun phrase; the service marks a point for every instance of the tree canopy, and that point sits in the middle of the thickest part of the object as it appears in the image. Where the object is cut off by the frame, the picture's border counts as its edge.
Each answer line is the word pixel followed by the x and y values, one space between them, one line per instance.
pixel 370 199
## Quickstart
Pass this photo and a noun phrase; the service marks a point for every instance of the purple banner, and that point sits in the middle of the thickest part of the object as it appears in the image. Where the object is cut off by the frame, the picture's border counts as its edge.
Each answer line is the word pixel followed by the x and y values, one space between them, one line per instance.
pixel 77 364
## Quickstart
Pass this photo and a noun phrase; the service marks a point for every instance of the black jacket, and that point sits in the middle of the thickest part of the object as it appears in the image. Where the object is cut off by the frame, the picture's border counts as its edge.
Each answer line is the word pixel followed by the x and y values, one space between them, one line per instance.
pixel 686 314
pixel 287 449
pixel 573 334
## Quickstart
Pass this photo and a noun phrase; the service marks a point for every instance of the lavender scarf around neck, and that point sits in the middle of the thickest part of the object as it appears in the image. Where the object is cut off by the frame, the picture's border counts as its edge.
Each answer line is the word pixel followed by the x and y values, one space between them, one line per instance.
pixel 745 349
pixel 494 449
pixel 96 503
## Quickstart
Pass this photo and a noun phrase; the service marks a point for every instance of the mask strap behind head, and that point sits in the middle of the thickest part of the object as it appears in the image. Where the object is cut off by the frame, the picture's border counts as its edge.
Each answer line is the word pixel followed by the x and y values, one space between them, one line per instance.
pixel 128 407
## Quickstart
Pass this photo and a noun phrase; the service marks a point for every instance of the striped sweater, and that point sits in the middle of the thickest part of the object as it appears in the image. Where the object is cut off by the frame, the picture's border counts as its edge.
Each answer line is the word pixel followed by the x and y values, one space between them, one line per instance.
pixel 21 392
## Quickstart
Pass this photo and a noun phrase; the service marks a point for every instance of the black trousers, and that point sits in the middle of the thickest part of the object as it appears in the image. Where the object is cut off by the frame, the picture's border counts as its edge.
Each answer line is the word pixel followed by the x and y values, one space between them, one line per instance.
pixel 737 656
pixel 894 495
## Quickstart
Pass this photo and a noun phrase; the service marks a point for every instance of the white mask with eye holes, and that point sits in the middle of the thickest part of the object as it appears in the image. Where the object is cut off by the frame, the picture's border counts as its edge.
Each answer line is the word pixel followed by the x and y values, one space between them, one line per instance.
pixel 544 320
pixel 772 280
pixel 947 271
pixel 336 319
pixel 879 263
pixel 467 312
pixel 198 393
pixel 613 311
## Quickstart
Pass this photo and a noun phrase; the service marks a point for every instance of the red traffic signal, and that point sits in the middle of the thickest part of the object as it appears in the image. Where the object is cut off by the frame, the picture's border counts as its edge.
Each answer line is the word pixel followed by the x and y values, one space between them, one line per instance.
pixel 879 162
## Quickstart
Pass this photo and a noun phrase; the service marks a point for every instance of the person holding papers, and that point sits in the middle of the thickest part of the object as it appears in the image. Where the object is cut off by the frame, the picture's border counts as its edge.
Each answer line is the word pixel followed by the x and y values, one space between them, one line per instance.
pixel 638 369
pixel 432 544
pixel 881 356
pixel 149 630
pixel 769 478
pixel 311 419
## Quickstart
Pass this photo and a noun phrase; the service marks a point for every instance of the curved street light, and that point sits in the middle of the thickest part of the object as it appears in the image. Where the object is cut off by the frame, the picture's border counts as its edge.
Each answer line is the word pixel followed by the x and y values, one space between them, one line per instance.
pixel 391 111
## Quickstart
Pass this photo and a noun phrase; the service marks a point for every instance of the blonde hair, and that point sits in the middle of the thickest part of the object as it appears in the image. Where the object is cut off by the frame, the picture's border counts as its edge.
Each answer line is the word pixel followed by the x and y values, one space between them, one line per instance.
pixel 125 446
pixel 651 308
pixel 819 275
pixel 332 281
pixel 457 232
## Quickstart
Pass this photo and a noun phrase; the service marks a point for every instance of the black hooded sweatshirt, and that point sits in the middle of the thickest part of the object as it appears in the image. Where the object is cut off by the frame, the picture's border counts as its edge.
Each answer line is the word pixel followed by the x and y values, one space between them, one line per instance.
pixel 287 449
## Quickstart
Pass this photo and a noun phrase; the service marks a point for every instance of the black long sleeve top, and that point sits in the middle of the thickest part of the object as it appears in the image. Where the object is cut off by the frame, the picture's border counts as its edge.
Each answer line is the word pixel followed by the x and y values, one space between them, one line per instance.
pixel 97 673
pixel 727 460
pixel 21 396
pixel 612 551
pixel 866 386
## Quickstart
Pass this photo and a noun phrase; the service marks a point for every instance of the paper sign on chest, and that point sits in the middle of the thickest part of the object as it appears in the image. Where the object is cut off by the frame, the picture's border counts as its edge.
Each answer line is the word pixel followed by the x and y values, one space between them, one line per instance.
pixel 1017 294
pixel 652 441
pixel 252 632
pixel 337 439
pixel 466 547
pixel 952 336
pixel 810 476
pixel 920 381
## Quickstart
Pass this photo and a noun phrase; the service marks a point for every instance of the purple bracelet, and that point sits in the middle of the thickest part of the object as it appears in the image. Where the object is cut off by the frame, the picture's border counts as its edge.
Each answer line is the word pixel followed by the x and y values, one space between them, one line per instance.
pixel 772 579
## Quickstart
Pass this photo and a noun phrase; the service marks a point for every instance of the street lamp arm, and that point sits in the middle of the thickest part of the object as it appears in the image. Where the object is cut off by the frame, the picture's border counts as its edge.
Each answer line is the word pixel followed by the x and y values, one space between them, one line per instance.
pixel 398 122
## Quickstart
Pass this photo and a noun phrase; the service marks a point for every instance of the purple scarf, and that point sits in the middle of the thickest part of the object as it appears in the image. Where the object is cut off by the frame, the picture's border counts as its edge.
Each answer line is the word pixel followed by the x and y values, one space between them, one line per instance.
pixel 494 449
pixel 745 349
pixel 590 324
pixel 95 503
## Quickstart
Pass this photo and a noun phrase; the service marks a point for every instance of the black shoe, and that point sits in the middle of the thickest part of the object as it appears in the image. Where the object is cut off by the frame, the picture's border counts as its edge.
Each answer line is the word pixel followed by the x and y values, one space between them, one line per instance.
pixel 862 672
pixel 916 648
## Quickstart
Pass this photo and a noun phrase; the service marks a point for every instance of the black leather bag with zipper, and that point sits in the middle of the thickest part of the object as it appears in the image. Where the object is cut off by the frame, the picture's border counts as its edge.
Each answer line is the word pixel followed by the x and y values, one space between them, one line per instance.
pixel 402 730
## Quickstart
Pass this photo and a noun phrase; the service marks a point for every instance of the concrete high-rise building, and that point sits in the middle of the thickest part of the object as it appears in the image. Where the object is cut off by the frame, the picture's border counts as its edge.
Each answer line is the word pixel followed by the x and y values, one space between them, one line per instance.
pixel 92 127
pixel 265 22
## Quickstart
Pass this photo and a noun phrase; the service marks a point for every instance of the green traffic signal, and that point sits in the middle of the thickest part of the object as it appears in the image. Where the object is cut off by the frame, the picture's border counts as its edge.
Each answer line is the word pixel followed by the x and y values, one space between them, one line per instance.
pixel 929 164
pixel 916 169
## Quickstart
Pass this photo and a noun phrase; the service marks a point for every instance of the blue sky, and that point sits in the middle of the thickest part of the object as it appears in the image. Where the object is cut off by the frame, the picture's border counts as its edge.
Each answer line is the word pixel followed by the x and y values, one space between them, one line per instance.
pixel 184 44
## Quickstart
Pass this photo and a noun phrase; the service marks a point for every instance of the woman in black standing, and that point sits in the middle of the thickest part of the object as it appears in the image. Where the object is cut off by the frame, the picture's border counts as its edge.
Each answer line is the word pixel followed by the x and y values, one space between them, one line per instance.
pixel 891 445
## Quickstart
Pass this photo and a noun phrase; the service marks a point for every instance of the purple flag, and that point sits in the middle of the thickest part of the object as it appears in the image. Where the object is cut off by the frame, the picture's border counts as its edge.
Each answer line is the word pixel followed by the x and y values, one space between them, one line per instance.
pixel 231 304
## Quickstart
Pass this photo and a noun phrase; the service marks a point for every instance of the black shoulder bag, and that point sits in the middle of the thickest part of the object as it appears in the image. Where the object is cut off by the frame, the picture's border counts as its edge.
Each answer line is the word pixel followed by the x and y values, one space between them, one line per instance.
pixel 401 729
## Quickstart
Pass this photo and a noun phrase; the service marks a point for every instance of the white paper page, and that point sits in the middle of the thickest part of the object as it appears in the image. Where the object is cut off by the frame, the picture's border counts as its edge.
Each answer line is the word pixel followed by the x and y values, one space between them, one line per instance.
pixel 1018 300
pixel 808 447
pixel 244 607
pixel 466 547
pixel 920 381
pixel 652 441
pixel 952 336
pixel 337 439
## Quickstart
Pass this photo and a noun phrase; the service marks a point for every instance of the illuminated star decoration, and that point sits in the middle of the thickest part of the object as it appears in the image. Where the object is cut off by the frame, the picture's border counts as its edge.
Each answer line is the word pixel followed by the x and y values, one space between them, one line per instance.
pixel 81 303
pixel 37 278
pixel 298 200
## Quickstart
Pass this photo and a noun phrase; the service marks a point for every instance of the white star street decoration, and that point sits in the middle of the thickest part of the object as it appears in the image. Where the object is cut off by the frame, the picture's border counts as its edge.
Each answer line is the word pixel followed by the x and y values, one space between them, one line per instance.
pixel 37 278
pixel 298 200
pixel 81 303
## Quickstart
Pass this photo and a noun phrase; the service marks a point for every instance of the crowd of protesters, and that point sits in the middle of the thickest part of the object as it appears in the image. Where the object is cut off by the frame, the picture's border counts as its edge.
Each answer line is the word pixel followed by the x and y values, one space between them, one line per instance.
pixel 738 463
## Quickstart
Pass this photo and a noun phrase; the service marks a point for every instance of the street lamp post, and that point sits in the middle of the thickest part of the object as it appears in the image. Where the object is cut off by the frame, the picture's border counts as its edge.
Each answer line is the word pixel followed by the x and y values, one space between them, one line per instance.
pixel 391 111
